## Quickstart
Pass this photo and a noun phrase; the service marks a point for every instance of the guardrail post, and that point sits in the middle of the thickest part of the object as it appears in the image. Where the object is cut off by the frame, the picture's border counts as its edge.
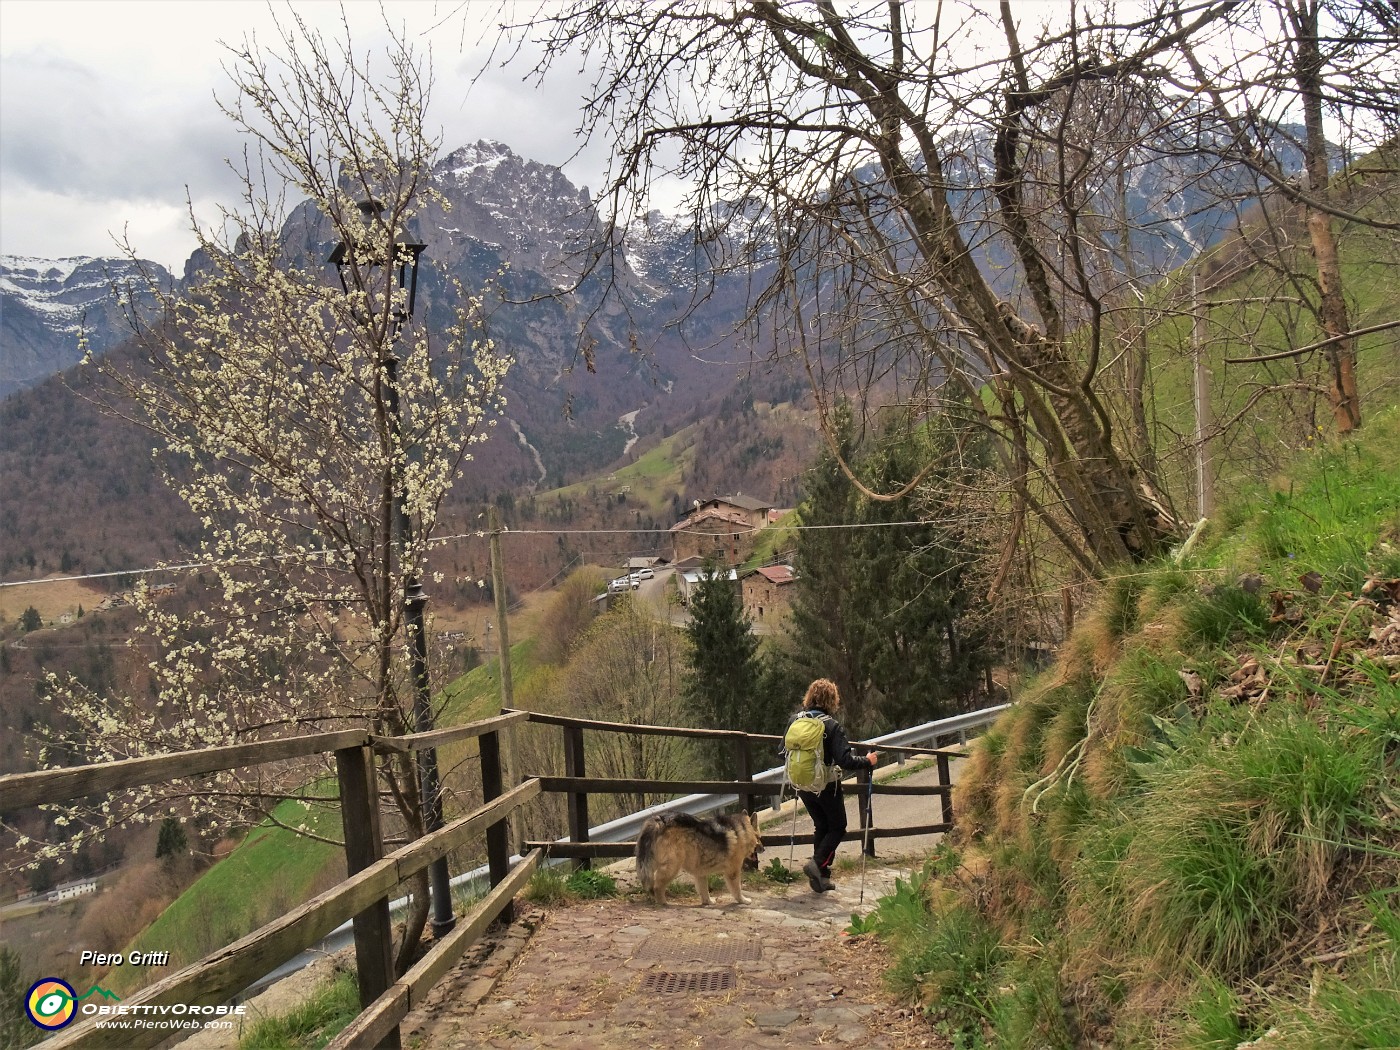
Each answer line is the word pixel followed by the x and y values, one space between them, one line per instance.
pixel 578 800
pixel 497 835
pixel 364 845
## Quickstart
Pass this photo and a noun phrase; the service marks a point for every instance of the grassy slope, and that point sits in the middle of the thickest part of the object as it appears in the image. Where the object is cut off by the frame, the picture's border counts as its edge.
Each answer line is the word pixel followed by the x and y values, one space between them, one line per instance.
pixel 281 868
pixel 649 482
pixel 1240 326
pixel 1148 865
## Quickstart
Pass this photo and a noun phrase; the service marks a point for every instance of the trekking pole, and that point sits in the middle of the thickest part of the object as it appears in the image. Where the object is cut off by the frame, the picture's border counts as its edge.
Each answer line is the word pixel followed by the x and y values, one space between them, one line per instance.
pixel 865 836
pixel 792 838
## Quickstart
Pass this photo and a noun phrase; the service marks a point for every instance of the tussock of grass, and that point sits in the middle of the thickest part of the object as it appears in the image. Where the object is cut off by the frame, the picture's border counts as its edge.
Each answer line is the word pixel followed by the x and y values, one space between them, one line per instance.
pixel 1222 615
pixel 555 886
pixel 311 1025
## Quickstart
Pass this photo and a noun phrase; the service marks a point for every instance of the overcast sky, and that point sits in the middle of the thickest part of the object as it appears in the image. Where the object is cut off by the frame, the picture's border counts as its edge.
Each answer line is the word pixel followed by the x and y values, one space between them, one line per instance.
pixel 107 112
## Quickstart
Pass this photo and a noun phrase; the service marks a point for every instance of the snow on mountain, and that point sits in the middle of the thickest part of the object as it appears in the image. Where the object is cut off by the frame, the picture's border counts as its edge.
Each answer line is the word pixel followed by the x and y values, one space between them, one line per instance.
pixel 529 210
pixel 46 304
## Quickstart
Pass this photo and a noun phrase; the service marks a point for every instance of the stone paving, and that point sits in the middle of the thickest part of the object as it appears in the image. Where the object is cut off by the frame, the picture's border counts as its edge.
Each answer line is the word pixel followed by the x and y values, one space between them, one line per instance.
pixel 776 972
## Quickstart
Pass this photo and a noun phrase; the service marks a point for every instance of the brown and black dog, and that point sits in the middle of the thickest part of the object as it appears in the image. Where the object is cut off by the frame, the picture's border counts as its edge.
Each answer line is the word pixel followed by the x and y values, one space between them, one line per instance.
pixel 699 846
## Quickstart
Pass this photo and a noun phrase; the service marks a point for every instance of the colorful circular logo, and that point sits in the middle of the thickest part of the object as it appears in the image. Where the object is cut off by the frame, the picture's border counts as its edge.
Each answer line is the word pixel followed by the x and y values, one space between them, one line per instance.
pixel 51 1003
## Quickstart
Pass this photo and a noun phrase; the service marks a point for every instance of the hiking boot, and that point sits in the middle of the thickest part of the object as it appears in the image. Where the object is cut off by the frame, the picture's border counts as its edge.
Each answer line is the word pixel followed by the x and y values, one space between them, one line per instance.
pixel 814 876
pixel 827 885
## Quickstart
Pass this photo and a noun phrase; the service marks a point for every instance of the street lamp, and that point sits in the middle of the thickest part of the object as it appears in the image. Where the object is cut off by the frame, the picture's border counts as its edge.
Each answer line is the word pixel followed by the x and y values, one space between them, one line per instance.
pixel 356 266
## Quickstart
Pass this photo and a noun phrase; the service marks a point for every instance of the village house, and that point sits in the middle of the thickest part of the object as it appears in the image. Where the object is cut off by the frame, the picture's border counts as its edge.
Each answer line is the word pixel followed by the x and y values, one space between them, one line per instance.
pixel 689 574
pixel 767 591
pixel 721 528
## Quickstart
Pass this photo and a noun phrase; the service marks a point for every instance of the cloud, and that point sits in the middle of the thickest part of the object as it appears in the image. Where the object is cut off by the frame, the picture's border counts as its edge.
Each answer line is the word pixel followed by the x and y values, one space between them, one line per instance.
pixel 108 117
pixel 74 130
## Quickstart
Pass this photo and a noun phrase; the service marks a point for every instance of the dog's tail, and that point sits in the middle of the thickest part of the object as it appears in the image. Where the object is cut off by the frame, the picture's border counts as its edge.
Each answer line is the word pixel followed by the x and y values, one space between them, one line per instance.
pixel 646 852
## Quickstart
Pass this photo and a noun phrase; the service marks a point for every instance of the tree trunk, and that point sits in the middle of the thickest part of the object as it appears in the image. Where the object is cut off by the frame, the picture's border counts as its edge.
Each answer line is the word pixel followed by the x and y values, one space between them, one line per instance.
pixel 1341 355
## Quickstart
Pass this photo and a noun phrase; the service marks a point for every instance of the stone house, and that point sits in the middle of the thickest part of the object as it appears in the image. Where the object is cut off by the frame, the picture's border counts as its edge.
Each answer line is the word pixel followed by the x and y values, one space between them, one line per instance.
pixel 766 591
pixel 722 528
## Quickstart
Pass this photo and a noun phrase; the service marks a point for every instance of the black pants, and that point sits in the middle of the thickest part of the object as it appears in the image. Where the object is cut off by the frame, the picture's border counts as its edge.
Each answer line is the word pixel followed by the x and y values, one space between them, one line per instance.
pixel 828 813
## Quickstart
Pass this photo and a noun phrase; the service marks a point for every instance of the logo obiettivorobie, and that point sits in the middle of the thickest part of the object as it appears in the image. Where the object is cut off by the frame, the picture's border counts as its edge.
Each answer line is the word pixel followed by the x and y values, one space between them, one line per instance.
pixel 52 1004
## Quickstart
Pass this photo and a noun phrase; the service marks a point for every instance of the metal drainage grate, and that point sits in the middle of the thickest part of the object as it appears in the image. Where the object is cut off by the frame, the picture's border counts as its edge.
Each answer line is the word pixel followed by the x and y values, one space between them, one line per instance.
pixel 720 951
pixel 696 982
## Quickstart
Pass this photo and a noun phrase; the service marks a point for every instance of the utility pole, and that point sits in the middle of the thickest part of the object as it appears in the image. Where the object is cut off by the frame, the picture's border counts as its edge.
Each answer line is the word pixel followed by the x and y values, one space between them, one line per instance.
pixel 1205 469
pixel 498 588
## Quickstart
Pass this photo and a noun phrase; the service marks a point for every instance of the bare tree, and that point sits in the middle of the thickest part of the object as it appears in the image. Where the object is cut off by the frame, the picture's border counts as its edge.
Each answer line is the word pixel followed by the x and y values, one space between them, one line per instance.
pixel 306 423
pixel 920 188
pixel 1322 62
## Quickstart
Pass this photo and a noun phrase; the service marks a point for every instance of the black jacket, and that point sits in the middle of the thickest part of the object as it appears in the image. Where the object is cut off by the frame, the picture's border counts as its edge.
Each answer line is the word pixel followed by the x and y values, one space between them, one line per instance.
pixel 836 746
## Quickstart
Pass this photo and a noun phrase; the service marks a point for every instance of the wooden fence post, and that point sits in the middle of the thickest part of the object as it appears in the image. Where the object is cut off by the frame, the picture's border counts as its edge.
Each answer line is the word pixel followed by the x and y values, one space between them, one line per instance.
pixel 945 777
pixel 743 770
pixel 578 800
pixel 364 845
pixel 497 835
pixel 864 806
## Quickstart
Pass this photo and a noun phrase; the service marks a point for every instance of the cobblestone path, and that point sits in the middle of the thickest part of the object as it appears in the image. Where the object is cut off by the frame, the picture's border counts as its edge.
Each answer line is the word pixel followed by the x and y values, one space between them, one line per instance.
pixel 777 972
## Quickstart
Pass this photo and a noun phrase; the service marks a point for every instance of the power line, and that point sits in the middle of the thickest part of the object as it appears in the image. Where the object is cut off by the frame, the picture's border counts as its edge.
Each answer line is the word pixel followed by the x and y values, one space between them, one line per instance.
pixel 438 540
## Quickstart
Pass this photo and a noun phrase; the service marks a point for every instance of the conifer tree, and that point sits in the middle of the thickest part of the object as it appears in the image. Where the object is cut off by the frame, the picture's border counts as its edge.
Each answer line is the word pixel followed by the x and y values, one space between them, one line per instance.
pixel 882 608
pixel 721 685
pixel 824 643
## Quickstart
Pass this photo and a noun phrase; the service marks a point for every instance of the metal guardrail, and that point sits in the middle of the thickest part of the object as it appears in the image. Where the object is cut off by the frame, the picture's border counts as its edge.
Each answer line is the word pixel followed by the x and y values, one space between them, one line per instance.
pixel 625 829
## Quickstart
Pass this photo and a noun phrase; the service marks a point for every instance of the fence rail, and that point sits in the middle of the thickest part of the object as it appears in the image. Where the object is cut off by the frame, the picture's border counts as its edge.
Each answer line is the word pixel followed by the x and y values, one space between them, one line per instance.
pixel 362 898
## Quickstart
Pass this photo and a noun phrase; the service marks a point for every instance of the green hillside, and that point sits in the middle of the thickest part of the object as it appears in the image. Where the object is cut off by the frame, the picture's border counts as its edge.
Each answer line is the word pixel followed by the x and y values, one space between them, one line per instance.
pixel 270 872
pixel 1267 410
pixel 1185 832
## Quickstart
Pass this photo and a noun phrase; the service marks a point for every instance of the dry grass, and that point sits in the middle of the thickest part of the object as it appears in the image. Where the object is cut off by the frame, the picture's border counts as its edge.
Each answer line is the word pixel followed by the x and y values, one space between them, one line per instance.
pixel 52 600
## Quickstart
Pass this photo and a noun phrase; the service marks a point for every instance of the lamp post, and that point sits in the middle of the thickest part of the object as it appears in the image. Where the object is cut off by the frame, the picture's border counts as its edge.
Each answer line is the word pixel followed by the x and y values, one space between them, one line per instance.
pixel 356 266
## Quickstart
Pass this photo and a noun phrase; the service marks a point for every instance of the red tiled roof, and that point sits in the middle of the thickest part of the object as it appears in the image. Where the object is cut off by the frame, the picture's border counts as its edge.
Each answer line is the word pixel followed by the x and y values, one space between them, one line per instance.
pixel 707 515
pixel 776 573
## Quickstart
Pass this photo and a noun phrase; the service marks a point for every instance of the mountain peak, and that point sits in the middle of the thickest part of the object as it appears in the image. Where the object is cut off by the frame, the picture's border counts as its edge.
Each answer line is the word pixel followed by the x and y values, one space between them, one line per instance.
pixel 48 303
pixel 480 157
pixel 43 269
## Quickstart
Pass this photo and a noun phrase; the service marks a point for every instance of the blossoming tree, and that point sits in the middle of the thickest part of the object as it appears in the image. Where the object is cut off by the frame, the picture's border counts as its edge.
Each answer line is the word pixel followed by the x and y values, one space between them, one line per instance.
pixel 315 435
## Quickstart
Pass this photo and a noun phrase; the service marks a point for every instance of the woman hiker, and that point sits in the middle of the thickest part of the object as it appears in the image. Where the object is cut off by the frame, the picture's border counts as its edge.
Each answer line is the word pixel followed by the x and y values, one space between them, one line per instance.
pixel 828 807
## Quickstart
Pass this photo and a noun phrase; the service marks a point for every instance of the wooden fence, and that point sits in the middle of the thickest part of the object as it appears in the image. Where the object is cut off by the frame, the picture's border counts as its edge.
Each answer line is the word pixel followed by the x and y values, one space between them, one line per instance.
pixel 576 785
pixel 372 876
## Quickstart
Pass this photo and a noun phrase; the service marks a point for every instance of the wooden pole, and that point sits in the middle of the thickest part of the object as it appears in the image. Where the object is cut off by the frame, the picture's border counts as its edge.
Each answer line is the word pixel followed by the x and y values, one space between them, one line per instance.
pixel 364 845
pixel 1205 469
pixel 578 800
pixel 497 842
pixel 945 778
pixel 743 770
pixel 516 825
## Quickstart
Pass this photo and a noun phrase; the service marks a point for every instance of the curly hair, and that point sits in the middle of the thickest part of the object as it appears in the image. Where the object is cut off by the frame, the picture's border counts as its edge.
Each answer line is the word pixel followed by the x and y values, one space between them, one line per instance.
pixel 822 693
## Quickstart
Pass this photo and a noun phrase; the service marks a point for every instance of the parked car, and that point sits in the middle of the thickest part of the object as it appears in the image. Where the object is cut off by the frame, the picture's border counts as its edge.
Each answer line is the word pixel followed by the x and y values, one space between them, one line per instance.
pixel 644 574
